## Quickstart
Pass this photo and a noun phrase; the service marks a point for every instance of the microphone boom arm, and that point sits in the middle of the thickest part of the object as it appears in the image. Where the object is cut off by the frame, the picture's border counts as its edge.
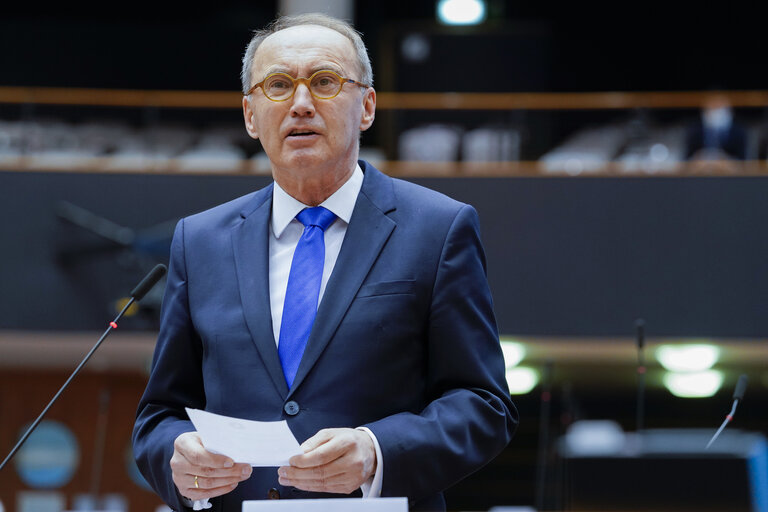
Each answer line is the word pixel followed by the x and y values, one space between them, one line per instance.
pixel 112 326
pixel 137 294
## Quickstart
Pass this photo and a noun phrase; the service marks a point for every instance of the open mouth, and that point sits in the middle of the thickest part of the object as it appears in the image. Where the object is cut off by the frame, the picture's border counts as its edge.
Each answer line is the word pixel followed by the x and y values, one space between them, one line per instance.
pixel 301 133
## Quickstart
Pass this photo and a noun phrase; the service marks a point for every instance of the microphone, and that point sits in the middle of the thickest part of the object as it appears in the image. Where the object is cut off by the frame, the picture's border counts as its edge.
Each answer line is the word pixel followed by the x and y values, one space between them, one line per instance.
pixel 640 417
pixel 741 387
pixel 149 281
pixel 137 294
pixel 738 396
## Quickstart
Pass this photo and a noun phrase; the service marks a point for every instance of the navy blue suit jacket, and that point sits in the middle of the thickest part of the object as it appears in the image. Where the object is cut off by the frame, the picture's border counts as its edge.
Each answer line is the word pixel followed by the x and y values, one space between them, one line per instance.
pixel 405 343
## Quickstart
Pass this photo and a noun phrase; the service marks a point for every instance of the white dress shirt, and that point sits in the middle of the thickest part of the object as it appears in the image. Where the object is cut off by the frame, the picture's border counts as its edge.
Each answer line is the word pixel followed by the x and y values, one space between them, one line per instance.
pixel 284 234
pixel 286 231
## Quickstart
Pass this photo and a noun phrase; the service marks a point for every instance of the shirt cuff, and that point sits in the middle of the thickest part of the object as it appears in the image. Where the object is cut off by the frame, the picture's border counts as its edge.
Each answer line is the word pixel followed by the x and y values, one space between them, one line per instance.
pixel 372 487
pixel 197 504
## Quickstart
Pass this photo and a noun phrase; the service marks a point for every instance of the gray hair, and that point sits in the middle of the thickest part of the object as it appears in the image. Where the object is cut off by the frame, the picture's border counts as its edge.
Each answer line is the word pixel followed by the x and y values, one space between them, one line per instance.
pixel 323 20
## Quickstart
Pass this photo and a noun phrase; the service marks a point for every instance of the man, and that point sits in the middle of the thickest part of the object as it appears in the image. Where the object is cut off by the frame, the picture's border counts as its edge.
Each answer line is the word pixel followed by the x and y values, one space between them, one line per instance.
pixel 387 367
pixel 716 135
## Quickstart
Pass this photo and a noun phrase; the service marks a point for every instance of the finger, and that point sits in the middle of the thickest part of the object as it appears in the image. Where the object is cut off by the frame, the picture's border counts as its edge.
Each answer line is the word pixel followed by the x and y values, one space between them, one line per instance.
pixel 190 446
pixel 197 487
pixel 348 468
pixel 201 494
pixel 324 453
pixel 351 462
pixel 238 472
pixel 336 478
pixel 207 483
pixel 191 457
pixel 324 472
pixel 181 466
pixel 337 485
pixel 322 437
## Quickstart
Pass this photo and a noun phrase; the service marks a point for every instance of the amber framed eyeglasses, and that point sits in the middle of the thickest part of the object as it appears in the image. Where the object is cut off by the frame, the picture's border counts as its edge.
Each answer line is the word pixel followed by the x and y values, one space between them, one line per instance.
pixel 323 85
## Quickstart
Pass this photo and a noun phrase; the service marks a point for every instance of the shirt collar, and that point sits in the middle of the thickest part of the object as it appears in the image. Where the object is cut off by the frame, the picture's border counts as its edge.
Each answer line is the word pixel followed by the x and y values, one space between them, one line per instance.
pixel 341 202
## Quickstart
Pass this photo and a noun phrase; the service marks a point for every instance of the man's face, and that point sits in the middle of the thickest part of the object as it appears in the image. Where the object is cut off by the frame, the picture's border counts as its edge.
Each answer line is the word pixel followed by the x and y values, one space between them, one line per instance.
pixel 305 134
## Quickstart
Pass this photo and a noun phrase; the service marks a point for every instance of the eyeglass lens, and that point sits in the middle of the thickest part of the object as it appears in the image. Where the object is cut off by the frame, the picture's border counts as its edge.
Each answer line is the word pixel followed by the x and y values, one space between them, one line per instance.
pixel 323 84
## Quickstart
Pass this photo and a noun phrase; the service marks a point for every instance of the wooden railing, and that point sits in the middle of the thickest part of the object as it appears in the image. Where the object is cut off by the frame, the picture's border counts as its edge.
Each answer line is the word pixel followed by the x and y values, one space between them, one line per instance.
pixel 387 100
pixel 405 101
pixel 401 168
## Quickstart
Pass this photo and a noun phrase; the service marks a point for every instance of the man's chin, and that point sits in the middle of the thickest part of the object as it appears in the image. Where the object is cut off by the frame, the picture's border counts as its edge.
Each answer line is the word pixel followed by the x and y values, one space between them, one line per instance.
pixel 306 158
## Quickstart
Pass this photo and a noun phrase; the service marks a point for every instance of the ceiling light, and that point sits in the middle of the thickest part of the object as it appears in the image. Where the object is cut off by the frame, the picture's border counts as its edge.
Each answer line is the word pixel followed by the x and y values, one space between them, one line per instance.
pixel 521 380
pixel 461 12
pixel 514 352
pixel 694 384
pixel 687 358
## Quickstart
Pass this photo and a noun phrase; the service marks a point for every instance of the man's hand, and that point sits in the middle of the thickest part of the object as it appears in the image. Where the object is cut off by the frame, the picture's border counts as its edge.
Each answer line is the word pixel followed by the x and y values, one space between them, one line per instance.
pixel 216 474
pixel 335 460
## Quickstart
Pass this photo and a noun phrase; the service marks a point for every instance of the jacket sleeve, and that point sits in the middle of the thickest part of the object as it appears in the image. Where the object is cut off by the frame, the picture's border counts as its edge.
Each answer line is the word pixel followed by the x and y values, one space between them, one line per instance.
pixel 175 382
pixel 469 417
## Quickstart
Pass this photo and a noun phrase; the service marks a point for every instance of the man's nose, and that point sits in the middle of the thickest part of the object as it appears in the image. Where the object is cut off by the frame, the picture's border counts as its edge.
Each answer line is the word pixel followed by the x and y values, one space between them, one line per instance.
pixel 303 102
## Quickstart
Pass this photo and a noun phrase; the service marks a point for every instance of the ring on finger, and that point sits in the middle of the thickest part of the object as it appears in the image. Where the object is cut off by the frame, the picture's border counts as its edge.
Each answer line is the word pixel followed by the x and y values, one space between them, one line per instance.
pixel 197 486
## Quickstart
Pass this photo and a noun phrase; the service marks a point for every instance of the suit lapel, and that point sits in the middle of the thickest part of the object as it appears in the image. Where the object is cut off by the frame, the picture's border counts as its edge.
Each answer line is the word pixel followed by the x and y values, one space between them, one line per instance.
pixel 250 242
pixel 368 230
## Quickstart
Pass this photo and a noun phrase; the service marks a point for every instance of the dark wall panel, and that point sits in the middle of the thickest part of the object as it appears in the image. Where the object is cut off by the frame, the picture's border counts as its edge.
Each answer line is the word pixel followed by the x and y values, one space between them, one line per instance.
pixel 582 257
pixel 589 256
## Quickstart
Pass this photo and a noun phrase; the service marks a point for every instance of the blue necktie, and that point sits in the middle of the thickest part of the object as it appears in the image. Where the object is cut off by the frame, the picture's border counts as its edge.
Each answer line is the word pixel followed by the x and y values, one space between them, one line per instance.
pixel 301 295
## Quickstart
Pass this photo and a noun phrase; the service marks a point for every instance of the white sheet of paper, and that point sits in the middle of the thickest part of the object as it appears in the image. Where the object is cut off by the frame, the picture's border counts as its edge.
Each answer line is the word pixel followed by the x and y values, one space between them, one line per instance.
pixel 258 443
pixel 329 505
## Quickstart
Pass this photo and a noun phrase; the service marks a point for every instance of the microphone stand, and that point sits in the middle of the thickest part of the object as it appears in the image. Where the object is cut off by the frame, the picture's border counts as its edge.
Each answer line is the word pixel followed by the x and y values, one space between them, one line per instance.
pixel 102 422
pixel 137 294
pixel 640 418
pixel 112 326
pixel 738 396
pixel 543 448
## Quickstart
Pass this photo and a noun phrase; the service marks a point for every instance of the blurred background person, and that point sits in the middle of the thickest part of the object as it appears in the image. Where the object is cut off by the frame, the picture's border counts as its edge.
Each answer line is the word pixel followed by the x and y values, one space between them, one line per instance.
pixel 715 138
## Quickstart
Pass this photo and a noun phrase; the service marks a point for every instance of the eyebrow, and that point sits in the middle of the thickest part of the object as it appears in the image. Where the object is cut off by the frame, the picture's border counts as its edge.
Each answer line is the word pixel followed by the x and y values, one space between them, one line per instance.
pixel 280 69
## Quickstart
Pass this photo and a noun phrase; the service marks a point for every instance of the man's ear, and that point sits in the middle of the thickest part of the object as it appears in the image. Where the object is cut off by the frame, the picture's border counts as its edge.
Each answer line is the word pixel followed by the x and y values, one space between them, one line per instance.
pixel 369 109
pixel 249 118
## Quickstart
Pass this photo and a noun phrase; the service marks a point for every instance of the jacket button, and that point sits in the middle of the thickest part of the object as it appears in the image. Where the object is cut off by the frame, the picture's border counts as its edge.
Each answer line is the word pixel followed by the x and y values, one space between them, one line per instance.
pixel 291 408
pixel 273 494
